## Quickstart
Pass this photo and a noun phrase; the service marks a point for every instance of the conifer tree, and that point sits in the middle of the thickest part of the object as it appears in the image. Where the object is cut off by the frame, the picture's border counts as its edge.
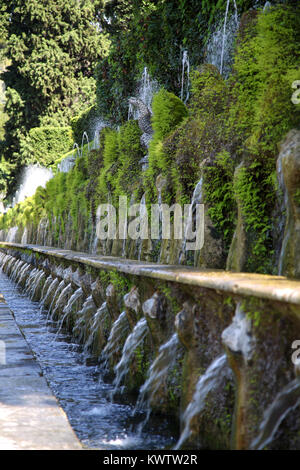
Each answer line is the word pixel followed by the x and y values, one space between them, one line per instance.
pixel 52 47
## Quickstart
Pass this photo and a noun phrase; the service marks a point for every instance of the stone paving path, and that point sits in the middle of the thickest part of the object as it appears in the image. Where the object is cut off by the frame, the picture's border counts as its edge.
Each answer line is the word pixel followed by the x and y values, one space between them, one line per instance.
pixel 30 416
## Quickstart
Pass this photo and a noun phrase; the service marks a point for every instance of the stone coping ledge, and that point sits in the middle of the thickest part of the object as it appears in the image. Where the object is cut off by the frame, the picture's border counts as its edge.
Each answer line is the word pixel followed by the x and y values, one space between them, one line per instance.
pixel 276 288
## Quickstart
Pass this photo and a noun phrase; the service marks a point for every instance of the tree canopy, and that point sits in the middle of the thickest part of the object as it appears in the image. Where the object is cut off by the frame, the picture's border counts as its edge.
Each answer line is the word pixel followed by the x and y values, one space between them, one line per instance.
pixel 52 47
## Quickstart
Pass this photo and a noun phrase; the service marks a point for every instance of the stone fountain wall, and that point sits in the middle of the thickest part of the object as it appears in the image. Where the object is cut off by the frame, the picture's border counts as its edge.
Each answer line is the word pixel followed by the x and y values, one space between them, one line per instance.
pixel 253 318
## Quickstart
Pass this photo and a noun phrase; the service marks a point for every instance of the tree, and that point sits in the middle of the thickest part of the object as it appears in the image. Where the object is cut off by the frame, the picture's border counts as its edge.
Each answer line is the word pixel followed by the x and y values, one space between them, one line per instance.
pixel 52 46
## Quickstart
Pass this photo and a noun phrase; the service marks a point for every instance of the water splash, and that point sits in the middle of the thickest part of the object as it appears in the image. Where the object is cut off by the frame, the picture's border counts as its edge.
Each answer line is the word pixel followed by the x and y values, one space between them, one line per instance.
pixel 29 279
pixel 23 274
pixel 267 6
pixel 58 291
pixel 46 298
pixel 99 124
pixel 80 389
pixel 67 163
pixel 67 311
pixel 286 401
pixel 62 299
pixel 144 219
pixel 220 46
pixel 147 88
pixel 36 284
pixel 17 268
pixel 32 176
pixel 286 205
pixel 24 236
pixel 207 382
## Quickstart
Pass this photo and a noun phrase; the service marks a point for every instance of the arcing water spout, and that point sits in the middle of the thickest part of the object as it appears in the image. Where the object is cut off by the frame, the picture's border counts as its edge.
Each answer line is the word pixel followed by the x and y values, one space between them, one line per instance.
pixel 157 376
pixel 133 341
pixel 114 342
pixel 286 400
pixel 86 137
pixel 207 382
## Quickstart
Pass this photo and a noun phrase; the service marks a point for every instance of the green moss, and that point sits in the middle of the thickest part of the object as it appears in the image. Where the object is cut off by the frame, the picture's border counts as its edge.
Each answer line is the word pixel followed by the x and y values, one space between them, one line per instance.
pixel 266 61
pixel 120 282
pixel 253 310
pixel 254 188
pixel 107 176
pixel 296 196
pixel 130 154
pixel 219 194
pixel 168 112
pixel 104 277
pixel 171 299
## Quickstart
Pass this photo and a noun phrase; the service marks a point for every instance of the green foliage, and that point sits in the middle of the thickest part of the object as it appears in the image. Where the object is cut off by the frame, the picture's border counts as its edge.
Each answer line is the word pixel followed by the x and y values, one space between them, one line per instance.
pixel 154 34
pixel 122 152
pixel 84 122
pixel 110 163
pixel 121 283
pixel 130 153
pixel 53 46
pixel 43 144
pixel 267 59
pixel 168 112
pixel 266 63
pixel 241 119
pixel 219 195
pixel 254 188
pixel 6 170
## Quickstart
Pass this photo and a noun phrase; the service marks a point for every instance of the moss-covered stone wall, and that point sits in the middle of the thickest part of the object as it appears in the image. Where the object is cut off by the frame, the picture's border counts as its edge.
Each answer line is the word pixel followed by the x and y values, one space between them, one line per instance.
pixel 228 134
pixel 259 365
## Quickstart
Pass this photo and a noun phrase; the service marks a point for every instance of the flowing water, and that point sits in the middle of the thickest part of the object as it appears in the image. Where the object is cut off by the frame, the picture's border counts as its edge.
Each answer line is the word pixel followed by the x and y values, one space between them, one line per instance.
pixel 220 46
pixel 287 400
pixel 85 137
pixel 157 376
pixel 113 345
pixel 188 230
pixel 79 387
pixel 31 177
pixel 207 382
pixel 135 338
pixel 185 77
pixel 146 89
pixel 11 234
